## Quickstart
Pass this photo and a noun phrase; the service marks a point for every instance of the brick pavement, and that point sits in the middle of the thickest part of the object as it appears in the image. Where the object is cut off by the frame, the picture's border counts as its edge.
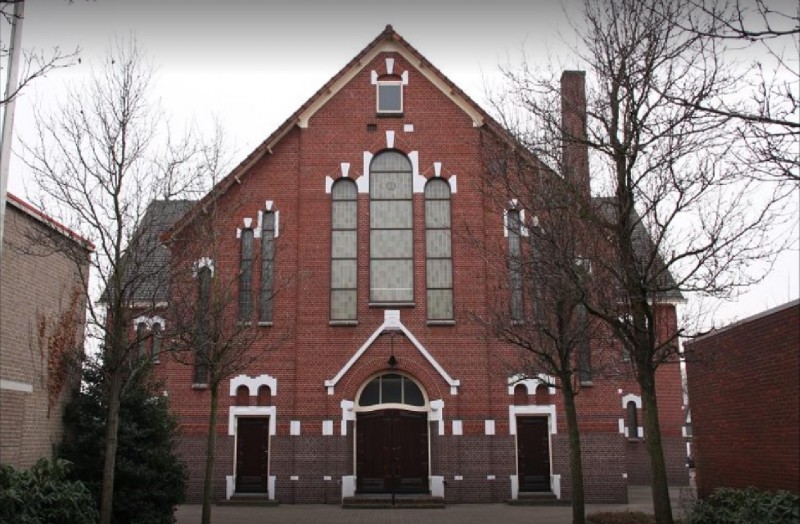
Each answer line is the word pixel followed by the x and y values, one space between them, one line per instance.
pixel 638 496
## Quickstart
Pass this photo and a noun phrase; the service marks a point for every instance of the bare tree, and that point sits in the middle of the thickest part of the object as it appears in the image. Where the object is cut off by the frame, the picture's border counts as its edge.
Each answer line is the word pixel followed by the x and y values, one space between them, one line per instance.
pixel 216 314
pixel 766 102
pixel 544 273
pixel 680 216
pixel 34 63
pixel 100 157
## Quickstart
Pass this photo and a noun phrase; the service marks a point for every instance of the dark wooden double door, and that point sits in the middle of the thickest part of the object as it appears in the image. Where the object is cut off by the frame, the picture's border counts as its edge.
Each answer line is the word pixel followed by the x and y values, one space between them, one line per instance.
pixel 252 454
pixel 392 452
pixel 533 453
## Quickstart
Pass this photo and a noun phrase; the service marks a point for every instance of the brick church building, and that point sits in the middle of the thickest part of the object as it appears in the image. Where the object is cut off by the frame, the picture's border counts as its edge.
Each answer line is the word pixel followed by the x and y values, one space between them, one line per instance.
pixel 343 236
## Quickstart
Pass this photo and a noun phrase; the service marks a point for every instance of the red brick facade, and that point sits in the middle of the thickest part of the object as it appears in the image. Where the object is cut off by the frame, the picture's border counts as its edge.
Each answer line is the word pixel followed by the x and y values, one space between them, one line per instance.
pixel 316 373
pixel 37 287
pixel 744 391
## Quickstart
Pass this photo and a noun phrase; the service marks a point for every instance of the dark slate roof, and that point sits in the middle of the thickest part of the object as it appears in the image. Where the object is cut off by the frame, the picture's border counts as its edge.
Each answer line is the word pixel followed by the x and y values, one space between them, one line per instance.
pixel 147 258
pixel 644 246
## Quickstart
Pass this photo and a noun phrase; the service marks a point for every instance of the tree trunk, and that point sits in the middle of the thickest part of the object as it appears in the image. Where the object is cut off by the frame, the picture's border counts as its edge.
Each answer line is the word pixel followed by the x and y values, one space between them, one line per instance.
pixel 211 446
pixel 109 464
pixel 655 449
pixel 575 461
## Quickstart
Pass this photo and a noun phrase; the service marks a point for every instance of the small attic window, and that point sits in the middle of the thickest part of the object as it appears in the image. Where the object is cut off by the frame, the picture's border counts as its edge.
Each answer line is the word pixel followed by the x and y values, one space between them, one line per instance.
pixel 390 96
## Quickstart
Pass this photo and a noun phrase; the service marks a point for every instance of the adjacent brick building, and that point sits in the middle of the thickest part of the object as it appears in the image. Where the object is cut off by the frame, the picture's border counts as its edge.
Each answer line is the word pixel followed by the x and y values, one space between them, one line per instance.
pixel 42 294
pixel 744 389
pixel 345 236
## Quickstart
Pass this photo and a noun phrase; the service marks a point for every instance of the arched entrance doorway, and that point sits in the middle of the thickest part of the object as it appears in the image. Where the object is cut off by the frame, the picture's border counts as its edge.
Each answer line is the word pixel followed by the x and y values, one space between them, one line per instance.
pixel 392 436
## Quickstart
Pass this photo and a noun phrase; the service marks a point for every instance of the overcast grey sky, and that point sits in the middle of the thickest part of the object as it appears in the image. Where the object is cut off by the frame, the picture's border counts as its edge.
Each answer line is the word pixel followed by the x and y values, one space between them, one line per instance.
pixel 252 63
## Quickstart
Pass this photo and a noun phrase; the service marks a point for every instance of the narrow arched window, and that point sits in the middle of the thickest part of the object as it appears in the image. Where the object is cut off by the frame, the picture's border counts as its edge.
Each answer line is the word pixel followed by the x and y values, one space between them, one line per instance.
pixel 391 241
pixel 246 276
pixel 520 395
pixel 141 335
pixel 514 227
pixel 344 250
pixel 156 348
pixel 633 422
pixel 439 264
pixel 584 350
pixel 242 396
pixel 202 338
pixel 264 396
pixel 267 266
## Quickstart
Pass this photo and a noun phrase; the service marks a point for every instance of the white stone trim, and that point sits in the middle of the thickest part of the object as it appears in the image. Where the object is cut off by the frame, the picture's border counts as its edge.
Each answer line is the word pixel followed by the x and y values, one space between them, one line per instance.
pixel 408 128
pixel 294 428
pixel 149 322
pixel 631 397
pixel 294 478
pixel 253 383
pixel 327 427
pixel 491 477
pixel 514 487
pixel 251 411
pixel 391 322
pixel 13 385
pixel 348 414
pixel 348 485
pixel 458 427
pixel 436 414
pixel 489 428
pixel 389 139
pixel 531 384
pixel 549 410
pixel 201 263
pixel 458 477
pixel 437 485
pixel 555 485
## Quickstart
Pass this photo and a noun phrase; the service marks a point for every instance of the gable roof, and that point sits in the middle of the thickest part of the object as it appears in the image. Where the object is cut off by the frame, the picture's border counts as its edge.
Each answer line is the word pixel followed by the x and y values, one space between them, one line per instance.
pixel 387 41
pixel 147 258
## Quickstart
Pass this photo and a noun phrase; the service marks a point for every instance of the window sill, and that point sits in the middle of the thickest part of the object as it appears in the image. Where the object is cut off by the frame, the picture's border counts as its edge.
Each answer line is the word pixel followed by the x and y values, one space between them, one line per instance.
pixel 199 386
pixel 343 322
pixel 266 323
pixel 441 322
pixel 392 304
pixel 243 324
pixel 389 115
pixel 587 383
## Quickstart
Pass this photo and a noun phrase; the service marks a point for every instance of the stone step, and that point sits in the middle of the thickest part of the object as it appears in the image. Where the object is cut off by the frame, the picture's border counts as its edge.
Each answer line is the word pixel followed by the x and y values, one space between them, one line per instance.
pixel 537 499
pixel 384 501
pixel 248 500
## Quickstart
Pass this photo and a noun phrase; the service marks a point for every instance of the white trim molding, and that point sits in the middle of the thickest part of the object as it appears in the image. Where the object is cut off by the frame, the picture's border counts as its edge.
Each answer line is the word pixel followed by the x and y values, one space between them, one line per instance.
pixel 251 411
pixel 253 383
pixel 531 384
pixel 549 410
pixel 391 322
pixel 13 385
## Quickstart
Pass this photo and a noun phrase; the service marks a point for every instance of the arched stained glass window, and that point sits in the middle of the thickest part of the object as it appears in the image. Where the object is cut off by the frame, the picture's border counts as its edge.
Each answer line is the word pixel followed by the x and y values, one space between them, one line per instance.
pixel 391 241
pixel 633 423
pixel 439 263
pixel 344 250
pixel 391 389
pixel 267 265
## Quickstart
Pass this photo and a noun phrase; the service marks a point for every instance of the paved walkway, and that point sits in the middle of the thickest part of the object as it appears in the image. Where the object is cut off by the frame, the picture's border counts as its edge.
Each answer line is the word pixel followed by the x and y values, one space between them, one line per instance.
pixel 638 496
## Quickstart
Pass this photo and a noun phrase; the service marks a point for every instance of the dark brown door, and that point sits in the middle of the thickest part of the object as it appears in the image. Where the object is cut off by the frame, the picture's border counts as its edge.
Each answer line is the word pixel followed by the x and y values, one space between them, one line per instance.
pixel 392 452
pixel 252 454
pixel 533 454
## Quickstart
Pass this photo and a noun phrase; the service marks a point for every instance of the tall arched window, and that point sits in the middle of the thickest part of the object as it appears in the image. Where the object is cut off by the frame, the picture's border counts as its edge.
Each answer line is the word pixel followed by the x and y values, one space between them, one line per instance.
pixel 633 422
pixel 246 276
pixel 514 226
pixel 391 234
pixel 344 250
pixel 203 307
pixel 267 266
pixel 264 397
pixel 242 396
pixel 439 266
pixel 156 351
pixel 141 335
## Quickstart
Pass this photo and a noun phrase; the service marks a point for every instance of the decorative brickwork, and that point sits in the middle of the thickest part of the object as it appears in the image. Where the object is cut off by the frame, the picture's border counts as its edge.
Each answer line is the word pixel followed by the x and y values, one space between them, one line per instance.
pixel 323 365
pixel 744 392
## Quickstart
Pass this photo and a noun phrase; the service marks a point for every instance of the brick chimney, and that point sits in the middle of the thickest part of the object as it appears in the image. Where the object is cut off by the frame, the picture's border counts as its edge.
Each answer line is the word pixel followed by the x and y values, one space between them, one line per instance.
pixel 575 152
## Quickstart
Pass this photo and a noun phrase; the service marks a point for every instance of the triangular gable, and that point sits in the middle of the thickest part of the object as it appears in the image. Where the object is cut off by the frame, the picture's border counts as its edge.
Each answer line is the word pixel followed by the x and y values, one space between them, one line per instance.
pixel 388 40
